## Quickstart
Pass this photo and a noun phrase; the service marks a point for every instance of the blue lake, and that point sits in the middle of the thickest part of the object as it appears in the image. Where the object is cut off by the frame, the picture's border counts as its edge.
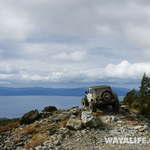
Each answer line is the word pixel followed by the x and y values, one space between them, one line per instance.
pixel 16 106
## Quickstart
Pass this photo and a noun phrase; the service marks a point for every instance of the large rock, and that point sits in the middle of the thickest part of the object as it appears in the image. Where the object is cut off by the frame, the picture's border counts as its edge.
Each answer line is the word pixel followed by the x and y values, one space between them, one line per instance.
pixel 75 110
pixel 90 120
pixel 111 119
pixel 74 123
pixel 48 111
pixel 29 117
pixel 124 107
pixel 64 132
pixel 138 127
pixel 145 127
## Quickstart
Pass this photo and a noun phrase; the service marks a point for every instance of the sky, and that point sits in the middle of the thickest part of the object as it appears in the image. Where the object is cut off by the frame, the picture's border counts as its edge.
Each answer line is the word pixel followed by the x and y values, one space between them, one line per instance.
pixel 74 43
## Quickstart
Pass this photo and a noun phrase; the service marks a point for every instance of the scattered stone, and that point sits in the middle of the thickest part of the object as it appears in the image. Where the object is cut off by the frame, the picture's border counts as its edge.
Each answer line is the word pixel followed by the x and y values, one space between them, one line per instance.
pixel 19 148
pixel 137 127
pixel 143 128
pixel 124 107
pixel 108 120
pixel 87 133
pixel 119 122
pixel 54 137
pixel 48 111
pixel 74 123
pixel 75 110
pixel 57 143
pixel 111 119
pixel 64 131
pixel 47 142
pixel 89 119
pixel 39 147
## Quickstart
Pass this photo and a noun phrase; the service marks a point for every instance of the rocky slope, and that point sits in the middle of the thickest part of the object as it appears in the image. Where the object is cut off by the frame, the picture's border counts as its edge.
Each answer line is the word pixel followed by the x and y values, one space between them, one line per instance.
pixel 75 128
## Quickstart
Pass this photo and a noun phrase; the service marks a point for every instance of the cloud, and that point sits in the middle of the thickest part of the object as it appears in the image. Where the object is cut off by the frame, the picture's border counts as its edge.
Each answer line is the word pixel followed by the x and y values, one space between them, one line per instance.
pixel 74 56
pixel 105 19
pixel 74 41
pixel 15 26
pixel 111 73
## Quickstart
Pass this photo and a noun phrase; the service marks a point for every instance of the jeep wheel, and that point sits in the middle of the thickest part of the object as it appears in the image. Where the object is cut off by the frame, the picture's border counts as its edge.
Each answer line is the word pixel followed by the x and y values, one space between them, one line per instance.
pixel 115 105
pixel 92 107
pixel 84 103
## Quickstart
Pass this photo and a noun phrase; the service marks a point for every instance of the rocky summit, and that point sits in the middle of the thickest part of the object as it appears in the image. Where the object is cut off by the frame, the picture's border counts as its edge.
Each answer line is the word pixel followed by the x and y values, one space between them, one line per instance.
pixel 78 129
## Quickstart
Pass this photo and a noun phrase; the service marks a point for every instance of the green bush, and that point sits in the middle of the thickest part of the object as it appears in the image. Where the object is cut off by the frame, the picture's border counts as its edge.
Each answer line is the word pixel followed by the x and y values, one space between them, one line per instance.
pixel 5 121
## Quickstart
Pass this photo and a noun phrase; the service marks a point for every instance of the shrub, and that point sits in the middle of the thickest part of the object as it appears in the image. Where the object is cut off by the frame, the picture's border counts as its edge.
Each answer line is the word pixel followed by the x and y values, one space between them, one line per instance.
pixel 35 141
pixel 64 122
pixel 96 113
pixel 131 117
pixel 58 111
pixel 27 145
pixel 135 111
pixel 48 127
pixel 5 121
pixel 137 124
pixel 9 126
pixel 31 130
pixel 64 119
pixel 17 140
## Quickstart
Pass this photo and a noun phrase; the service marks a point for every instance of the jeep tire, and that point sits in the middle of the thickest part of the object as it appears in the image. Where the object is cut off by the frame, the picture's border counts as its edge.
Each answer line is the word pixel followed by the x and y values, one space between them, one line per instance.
pixel 84 103
pixel 106 95
pixel 92 107
pixel 115 105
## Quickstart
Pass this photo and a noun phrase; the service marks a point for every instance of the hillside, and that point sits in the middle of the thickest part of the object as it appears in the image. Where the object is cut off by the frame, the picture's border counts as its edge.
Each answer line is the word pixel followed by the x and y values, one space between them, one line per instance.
pixel 75 128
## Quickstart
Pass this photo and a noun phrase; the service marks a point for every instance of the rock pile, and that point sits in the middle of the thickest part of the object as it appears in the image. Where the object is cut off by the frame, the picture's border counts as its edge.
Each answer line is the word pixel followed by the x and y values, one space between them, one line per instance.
pixel 74 128
pixel 48 111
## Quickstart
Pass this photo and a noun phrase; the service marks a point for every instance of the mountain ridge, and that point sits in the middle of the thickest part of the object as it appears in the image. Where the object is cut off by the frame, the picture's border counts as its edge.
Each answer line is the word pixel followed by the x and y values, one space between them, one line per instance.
pixel 10 91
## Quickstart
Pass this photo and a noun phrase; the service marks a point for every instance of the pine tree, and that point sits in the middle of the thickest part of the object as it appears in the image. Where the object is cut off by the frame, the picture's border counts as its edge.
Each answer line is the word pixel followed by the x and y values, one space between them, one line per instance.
pixel 143 92
pixel 144 96
pixel 130 98
pixel 140 100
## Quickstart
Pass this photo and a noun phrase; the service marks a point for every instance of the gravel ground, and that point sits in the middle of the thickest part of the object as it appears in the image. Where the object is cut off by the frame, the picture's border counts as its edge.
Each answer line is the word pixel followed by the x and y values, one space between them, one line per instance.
pixel 93 139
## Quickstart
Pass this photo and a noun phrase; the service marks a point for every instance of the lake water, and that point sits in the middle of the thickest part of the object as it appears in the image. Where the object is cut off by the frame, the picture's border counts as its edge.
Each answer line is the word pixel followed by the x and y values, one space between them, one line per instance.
pixel 16 106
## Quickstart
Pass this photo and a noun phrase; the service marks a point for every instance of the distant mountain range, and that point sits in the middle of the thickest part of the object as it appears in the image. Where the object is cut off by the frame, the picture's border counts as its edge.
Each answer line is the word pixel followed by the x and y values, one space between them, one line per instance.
pixel 10 91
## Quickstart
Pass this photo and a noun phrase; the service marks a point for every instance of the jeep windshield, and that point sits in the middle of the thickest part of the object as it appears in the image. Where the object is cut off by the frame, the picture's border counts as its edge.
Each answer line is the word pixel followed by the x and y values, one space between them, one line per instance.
pixel 89 90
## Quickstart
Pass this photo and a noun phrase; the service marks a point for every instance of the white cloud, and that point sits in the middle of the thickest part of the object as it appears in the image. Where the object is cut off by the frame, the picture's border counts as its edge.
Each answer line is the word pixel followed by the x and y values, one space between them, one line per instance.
pixel 14 25
pixel 66 41
pixel 73 56
pixel 123 70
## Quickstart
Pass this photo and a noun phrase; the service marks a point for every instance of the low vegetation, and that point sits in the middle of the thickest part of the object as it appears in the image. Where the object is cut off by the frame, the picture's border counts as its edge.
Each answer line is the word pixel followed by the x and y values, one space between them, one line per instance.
pixel 31 130
pixel 17 140
pixel 36 140
pixel 49 127
pixel 5 121
pixel 64 120
pixel 9 127
pixel 8 124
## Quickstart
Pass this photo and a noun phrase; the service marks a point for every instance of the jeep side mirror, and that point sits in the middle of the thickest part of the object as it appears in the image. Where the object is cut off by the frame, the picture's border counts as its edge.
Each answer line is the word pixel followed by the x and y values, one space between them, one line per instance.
pixel 86 92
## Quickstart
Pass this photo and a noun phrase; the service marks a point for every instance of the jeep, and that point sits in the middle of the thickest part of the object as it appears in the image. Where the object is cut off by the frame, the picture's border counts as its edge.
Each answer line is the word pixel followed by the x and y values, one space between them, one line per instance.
pixel 100 97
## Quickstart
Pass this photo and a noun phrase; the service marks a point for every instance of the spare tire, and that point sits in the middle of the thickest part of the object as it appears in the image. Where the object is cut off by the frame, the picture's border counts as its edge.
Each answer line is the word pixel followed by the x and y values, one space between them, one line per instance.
pixel 106 95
